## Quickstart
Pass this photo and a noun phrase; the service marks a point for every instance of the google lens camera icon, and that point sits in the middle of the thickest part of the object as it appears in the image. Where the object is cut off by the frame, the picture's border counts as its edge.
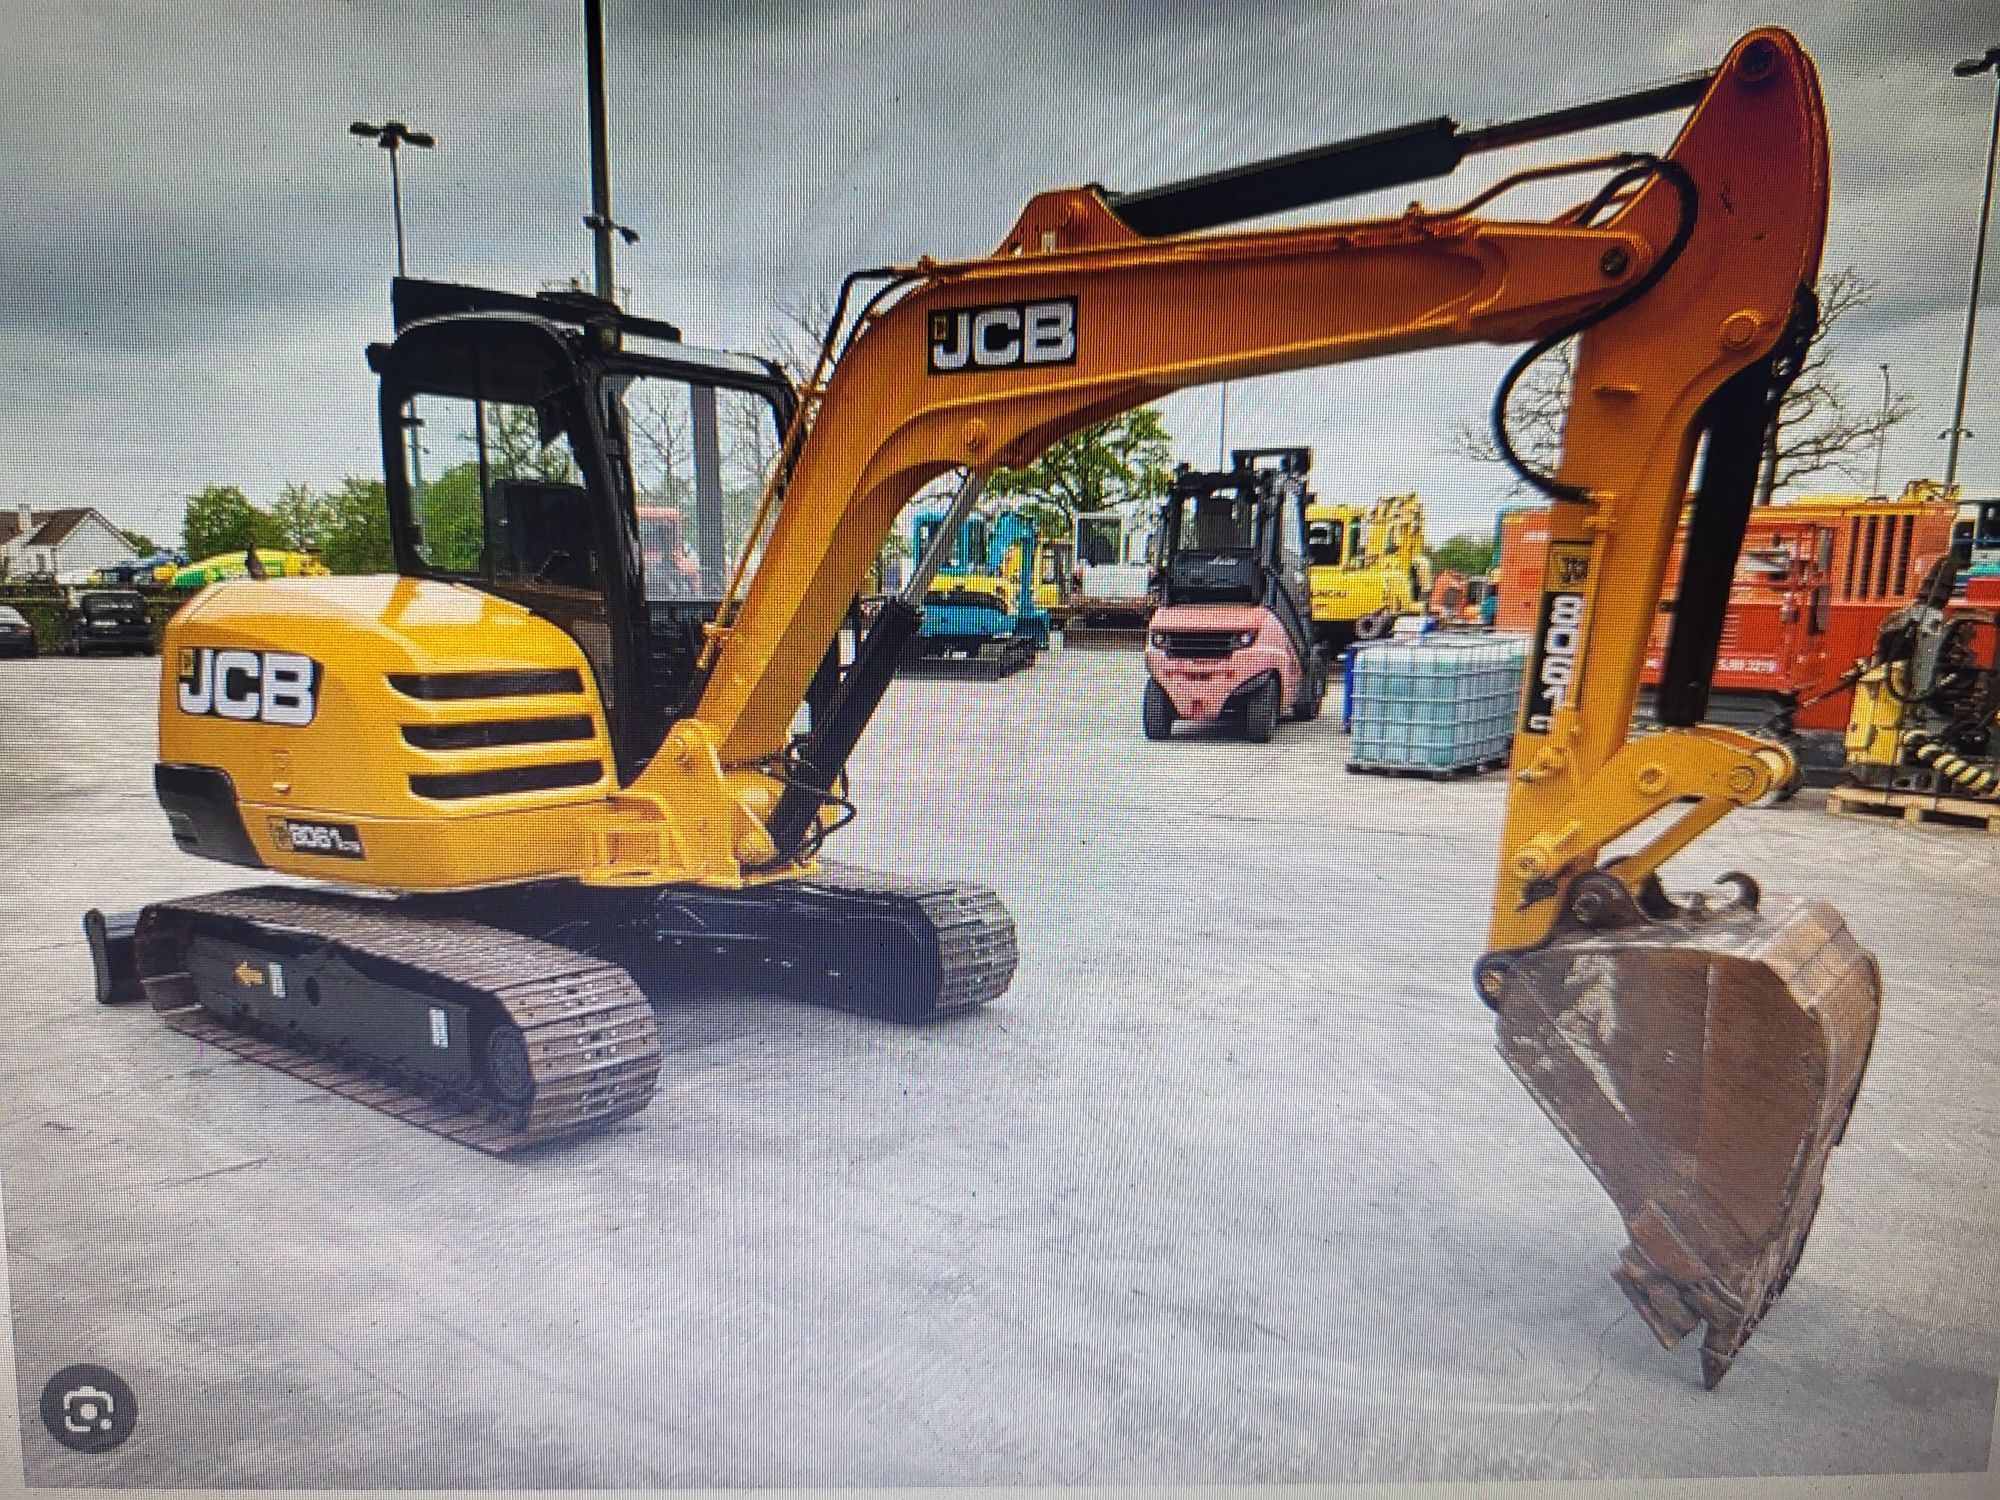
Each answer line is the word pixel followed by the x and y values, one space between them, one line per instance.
pixel 89 1409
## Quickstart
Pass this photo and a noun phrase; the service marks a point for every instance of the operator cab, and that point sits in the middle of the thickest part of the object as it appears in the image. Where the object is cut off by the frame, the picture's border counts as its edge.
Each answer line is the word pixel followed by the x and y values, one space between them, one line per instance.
pixel 1327 542
pixel 968 549
pixel 585 464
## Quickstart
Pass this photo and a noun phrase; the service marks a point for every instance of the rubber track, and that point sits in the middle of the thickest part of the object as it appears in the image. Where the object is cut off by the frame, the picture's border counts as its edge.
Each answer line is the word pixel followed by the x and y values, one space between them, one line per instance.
pixel 977 946
pixel 983 667
pixel 592 1041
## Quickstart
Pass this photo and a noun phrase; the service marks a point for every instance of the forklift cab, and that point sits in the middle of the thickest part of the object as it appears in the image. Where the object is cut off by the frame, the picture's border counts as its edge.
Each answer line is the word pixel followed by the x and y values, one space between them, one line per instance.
pixel 1239 537
pixel 540 448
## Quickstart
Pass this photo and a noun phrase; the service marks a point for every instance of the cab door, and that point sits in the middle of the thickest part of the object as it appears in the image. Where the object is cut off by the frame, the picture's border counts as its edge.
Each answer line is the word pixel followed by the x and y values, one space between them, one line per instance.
pixel 1291 581
pixel 495 478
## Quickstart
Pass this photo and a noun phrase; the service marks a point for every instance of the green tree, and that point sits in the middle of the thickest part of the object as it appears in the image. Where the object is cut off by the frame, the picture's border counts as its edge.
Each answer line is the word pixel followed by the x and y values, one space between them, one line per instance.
pixel 453 518
pixel 356 537
pixel 139 542
pixel 514 447
pixel 1129 457
pixel 301 517
pixel 1468 552
pixel 221 519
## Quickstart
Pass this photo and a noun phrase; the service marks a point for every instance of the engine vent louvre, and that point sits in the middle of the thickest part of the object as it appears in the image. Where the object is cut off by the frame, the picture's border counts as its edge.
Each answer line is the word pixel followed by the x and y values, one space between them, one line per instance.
pixel 454 786
pixel 439 687
pixel 490 733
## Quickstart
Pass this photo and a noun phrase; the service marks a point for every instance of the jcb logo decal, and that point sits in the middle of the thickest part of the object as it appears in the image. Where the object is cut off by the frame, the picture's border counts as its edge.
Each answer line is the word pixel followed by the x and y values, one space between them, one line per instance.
pixel 1558 638
pixel 273 687
pixel 995 338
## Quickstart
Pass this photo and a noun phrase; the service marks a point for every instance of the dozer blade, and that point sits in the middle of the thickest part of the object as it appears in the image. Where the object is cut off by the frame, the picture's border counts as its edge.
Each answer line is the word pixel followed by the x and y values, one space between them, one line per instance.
pixel 1703 1062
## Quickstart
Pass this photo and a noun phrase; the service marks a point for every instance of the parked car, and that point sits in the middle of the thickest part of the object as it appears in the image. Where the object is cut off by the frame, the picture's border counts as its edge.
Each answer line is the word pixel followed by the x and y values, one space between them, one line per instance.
pixel 17 636
pixel 105 620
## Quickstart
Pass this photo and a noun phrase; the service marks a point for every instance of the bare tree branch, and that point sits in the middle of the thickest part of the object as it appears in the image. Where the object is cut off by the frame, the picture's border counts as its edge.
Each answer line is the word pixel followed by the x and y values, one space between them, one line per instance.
pixel 1536 410
pixel 1820 428
pixel 793 338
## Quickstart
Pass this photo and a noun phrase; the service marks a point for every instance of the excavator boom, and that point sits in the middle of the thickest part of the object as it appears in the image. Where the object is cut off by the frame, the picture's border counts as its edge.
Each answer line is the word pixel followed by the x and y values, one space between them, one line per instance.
pixel 1701 1057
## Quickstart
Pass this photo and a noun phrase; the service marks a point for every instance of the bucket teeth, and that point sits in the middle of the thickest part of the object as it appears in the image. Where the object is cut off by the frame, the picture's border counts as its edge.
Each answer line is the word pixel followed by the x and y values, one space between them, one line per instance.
pixel 1704 1066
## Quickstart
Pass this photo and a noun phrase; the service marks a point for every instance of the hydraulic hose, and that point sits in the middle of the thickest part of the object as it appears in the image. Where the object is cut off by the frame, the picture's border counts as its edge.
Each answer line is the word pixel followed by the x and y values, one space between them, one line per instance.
pixel 1968 776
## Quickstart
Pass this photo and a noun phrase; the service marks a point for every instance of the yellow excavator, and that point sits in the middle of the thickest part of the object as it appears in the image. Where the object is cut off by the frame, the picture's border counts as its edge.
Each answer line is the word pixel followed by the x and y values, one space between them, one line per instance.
pixel 1368 566
pixel 538 778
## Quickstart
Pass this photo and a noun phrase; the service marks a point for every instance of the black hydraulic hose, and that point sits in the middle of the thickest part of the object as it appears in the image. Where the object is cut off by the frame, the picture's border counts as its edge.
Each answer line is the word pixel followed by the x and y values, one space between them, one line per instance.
pixel 1737 418
pixel 1968 776
pixel 1638 167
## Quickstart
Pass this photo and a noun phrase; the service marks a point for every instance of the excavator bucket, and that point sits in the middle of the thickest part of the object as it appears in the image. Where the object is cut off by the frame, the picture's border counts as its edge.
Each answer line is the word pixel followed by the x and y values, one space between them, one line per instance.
pixel 1703 1062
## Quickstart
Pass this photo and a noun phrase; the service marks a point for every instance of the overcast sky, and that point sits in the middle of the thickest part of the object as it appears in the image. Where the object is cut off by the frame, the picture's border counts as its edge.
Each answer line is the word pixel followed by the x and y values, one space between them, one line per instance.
pixel 194 251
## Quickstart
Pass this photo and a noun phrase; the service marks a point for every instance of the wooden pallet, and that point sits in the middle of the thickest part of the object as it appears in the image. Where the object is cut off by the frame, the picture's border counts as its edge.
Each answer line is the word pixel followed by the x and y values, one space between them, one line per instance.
pixel 1431 773
pixel 1913 807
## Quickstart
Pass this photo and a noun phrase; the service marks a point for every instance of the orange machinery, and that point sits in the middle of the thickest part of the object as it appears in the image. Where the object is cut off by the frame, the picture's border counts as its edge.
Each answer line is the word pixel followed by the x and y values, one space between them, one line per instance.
pixel 1457 600
pixel 1814 581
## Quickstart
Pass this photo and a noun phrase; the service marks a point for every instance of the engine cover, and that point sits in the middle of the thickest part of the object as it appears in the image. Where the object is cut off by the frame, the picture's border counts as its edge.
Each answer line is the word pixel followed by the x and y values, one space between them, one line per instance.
pixel 379 731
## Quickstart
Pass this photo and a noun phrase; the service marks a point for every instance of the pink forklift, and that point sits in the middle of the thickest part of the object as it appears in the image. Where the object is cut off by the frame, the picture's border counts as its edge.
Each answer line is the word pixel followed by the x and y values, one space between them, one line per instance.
pixel 1232 639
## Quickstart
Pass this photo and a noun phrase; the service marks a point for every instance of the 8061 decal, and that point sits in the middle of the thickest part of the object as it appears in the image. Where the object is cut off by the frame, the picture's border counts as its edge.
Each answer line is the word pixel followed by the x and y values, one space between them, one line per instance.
pixel 1558 637
pixel 304 836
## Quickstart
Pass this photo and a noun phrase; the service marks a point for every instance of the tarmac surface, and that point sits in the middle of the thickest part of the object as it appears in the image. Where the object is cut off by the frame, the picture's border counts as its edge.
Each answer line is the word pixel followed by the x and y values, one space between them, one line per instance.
pixel 1230 1187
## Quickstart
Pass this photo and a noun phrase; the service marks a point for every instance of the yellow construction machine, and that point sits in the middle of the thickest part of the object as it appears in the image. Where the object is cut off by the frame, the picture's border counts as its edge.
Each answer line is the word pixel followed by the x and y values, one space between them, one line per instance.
pixel 1368 566
pixel 1925 721
pixel 586 782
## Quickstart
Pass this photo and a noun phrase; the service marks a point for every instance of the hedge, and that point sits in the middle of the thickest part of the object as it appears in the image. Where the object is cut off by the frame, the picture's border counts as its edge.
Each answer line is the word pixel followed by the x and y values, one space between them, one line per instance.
pixel 42 606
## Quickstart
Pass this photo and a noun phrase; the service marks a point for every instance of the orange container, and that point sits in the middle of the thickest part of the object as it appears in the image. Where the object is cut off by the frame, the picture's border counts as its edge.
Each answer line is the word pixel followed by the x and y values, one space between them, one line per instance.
pixel 1815 579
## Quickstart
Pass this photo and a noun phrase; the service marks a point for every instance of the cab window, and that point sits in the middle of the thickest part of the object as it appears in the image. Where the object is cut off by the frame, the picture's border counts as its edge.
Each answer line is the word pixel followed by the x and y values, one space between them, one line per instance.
pixel 1323 543
pixel 1217 523
pixel 700 456
pixel 1097 541
pixel 496 491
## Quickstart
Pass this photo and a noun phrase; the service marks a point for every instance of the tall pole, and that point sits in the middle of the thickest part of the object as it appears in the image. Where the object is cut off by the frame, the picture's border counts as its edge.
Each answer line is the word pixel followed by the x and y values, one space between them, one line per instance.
pixel 1971 68
pixel 600 220
pixel 392 137
pixel 1222 431
pixel 1882 432
pixel 396 197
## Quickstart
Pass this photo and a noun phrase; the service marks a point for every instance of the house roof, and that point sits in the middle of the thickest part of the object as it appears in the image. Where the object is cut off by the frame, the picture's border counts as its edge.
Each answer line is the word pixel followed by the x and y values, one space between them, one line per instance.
pixel 57 525
pixel 52 527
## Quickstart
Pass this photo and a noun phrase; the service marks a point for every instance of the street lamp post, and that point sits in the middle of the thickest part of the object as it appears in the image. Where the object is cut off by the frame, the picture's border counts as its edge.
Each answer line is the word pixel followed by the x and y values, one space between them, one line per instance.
pixel 599 221
pixel 1882 432
pixel 1972 67
pixel 392 137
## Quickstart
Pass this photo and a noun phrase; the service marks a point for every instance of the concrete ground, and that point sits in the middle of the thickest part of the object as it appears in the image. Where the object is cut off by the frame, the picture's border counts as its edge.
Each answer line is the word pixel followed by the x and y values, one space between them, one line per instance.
pixel 1230 1187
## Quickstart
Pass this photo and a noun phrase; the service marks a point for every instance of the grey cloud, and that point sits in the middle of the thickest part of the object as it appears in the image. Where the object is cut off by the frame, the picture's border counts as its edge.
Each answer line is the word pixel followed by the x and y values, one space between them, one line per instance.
pixel 188 211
